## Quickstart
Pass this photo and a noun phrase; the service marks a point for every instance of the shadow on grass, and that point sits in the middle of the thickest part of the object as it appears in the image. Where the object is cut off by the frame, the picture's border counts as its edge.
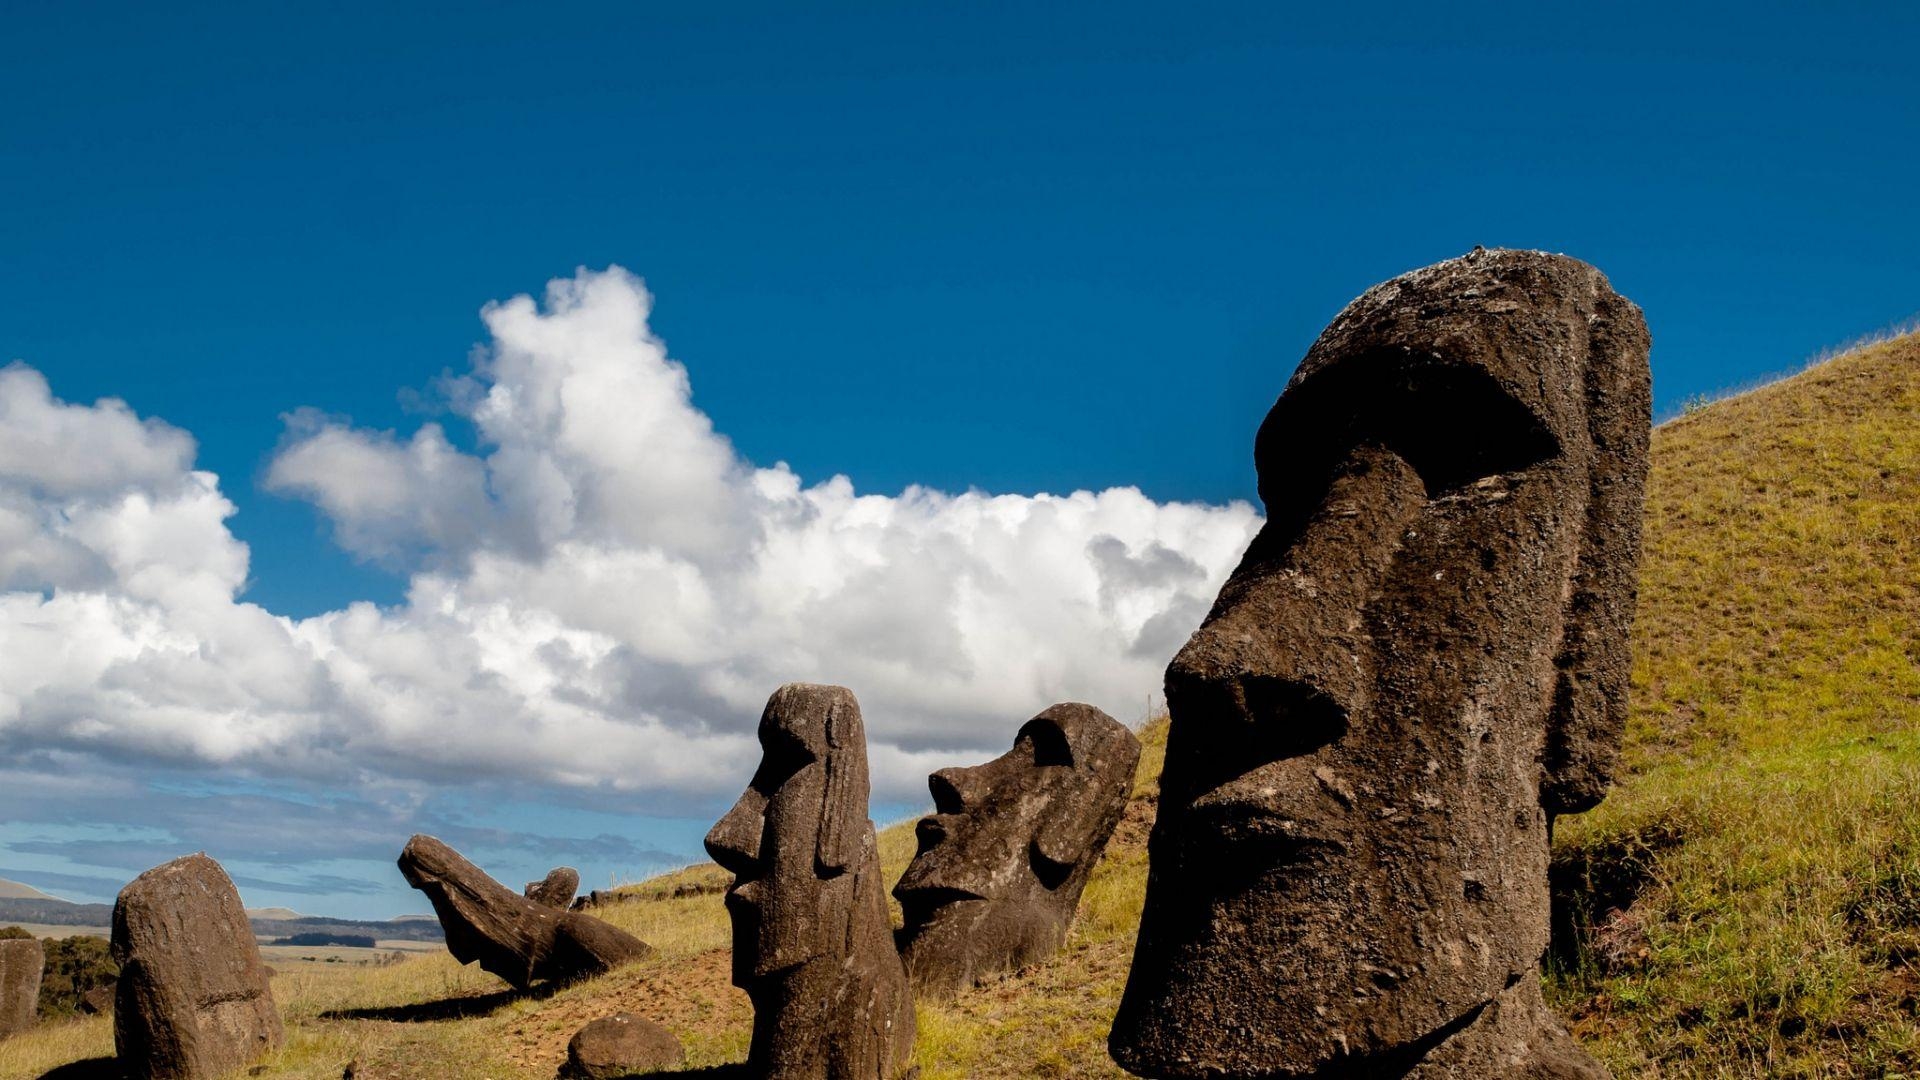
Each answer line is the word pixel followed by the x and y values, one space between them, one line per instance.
pixel 96 1068
pixel 457 1008
pixel 712 1072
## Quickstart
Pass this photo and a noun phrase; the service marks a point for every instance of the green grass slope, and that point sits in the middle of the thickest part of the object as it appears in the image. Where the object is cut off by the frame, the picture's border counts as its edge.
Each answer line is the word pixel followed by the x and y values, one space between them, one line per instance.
pixel 1745 904
pixel 1763 844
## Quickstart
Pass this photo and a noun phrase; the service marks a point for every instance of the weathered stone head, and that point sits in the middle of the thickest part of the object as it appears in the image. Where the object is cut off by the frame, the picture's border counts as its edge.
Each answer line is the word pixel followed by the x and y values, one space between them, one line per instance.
pixel 1009 847
pixel 556 889
pixel 1421 660
pixel 522 941
pixel 812 944
pixel 193 999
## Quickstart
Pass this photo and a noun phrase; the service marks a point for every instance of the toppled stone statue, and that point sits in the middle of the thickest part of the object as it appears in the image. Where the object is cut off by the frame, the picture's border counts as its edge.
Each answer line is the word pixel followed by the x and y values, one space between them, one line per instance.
pixel 812 944
pixel 193 999
pixel 520 940
pixel 621 1045
pixel 22 961
pixel 556 889
pixel 1421 660
pixel 1009 848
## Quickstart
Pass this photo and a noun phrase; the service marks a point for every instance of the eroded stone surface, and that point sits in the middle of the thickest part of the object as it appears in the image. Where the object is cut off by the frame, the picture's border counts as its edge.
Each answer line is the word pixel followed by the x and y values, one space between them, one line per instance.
pixel 518 939
pixel 193 999
pixel 556 889
pixel 1422 659
pixel 812 945
pixel 621 1045
pixel 22 961
pixel 1010 845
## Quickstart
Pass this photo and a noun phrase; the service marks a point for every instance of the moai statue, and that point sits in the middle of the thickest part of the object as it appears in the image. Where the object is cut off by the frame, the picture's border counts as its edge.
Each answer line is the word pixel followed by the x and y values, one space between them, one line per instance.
pixel 812 941
pixel 1420 662
pixel 556 889
pixel 1009 847
pixel 22 962
pixel 523 941
pixel 193 999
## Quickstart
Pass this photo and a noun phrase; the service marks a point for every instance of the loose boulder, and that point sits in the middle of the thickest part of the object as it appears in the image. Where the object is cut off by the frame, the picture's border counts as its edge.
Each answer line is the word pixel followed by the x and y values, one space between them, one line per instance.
pixel 1420 662
pixel 22 961
pixel 621 1045
pixel 812 942
pixel 97 1001
pixel 1010 845
pixel 193 999
pixel 556 889
pixel 520 940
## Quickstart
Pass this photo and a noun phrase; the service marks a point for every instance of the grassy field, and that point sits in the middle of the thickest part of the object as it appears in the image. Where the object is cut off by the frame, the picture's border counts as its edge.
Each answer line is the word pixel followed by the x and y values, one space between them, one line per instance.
pixel 1764 844
pixel 1746 903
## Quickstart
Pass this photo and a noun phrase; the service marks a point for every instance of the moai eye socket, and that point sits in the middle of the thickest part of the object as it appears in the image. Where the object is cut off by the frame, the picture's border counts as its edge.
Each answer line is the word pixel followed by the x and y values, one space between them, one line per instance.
pixel 1049 741
pixel 782 755
pixel 1454 423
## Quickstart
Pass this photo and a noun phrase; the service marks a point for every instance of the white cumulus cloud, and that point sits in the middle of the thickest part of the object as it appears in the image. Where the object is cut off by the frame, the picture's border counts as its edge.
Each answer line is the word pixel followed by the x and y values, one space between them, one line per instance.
pixel 602 595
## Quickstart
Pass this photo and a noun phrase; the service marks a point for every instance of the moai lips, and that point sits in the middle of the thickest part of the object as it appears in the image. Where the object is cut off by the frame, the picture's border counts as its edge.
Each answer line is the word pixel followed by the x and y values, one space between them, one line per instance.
pixel 1009 848
pixel 812 943
pixel 1421 660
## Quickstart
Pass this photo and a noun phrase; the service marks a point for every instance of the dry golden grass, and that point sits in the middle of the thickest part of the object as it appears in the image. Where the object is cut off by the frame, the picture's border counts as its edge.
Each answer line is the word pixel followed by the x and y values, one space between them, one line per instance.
pixel 1769 809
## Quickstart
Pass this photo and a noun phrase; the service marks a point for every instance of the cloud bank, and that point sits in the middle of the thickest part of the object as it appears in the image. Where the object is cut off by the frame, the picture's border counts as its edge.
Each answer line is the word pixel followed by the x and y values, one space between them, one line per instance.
pixel 601 594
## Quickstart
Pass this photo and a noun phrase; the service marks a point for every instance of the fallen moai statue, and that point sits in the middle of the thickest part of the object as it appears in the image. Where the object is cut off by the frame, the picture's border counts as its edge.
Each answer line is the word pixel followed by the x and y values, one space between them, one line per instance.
pixel 22 961
pixel 520 940
pixel 193 999
pixel 1010 845
pixel 812 944
pixel 556 889
pixel 1422 660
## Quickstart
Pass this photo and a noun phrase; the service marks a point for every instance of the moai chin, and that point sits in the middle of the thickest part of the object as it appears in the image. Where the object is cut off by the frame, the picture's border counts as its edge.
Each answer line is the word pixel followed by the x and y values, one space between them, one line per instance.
pixel 1421 660
pixel 812 941
pixel 1010 845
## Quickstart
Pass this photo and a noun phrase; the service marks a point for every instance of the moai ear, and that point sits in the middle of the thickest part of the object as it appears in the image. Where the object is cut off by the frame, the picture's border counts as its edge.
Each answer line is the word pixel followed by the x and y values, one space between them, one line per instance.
pixel 1595 659
pixel 843 825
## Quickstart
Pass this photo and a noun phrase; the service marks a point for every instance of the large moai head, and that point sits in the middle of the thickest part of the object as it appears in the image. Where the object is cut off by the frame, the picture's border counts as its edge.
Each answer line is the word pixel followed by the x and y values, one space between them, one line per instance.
pixel 812 942
pixel 1009 847
pixel 193 999
pixel 1421 660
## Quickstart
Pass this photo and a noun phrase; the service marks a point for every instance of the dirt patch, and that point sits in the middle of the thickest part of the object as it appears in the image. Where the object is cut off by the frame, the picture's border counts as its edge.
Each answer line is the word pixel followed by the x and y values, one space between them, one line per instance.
pixel 693 997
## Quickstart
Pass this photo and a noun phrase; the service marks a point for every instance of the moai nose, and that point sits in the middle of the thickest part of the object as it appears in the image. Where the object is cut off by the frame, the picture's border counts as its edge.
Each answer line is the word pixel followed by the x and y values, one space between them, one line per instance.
pixel 734 840
pixel 955 791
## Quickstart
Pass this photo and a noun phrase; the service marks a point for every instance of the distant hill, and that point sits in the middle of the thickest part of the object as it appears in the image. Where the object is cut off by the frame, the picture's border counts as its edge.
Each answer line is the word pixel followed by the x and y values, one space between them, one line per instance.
pixel 265 921
pixel 54 912
pixel 313 926
pixel 280 913
pixel 14 890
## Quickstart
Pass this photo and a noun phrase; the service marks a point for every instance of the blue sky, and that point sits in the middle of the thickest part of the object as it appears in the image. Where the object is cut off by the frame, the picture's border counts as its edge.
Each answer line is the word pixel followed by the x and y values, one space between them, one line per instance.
pixel 979 247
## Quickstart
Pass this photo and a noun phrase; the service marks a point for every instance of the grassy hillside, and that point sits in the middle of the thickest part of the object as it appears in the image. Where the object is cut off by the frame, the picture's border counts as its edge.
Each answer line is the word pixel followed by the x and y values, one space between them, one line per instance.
pixel 1769 818
pixel 15 890
pixel 1746 904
